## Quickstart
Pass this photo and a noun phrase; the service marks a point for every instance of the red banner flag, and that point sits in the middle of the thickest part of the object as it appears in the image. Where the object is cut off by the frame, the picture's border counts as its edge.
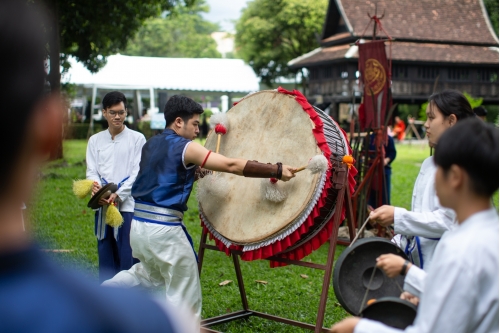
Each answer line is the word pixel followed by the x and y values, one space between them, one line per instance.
pixel 375 77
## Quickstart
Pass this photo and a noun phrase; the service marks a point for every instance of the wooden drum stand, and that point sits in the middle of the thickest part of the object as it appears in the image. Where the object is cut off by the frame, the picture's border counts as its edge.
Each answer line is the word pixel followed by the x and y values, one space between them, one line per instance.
pixel 343 200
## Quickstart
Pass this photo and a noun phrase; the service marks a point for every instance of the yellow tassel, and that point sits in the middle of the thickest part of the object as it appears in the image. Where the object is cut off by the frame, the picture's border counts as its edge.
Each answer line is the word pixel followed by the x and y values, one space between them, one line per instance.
pixel 82 188
pixel 113 217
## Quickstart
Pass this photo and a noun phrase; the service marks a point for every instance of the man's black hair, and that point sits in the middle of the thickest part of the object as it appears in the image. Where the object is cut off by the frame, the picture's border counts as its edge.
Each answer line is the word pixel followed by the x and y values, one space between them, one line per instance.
pixel 472 145
pixel 480 111
pixel 23 41
pixel 113 98
pixel 181 106
pixel 451 101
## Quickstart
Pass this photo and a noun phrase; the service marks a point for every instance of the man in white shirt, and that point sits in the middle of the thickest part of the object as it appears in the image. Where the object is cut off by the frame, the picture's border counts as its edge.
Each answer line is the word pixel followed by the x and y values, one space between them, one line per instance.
pixel 113 156
pixel 460 290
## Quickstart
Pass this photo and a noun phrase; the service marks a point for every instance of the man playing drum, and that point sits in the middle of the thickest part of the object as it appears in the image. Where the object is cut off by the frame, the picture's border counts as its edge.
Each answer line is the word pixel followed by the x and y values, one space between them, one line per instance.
pixel 158 237
pixel 420 229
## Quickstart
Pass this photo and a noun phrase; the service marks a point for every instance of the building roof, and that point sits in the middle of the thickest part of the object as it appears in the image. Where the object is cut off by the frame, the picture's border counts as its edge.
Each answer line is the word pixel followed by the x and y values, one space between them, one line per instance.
pixel 200 74
pixel 406 51
pixel 445 21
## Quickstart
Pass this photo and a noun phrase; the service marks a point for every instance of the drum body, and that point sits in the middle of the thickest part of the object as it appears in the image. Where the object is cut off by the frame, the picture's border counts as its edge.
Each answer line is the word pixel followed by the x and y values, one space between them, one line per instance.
pixel 270 127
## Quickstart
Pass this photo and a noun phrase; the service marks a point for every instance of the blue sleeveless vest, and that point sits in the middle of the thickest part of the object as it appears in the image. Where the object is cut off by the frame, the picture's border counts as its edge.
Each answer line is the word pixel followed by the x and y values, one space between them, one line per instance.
pixel 163 180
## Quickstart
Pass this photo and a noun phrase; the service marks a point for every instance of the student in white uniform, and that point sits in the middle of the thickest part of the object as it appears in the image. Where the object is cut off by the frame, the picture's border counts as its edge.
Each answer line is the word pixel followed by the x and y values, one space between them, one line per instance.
pixel 419 230
pixel 113 156
pixel 460 294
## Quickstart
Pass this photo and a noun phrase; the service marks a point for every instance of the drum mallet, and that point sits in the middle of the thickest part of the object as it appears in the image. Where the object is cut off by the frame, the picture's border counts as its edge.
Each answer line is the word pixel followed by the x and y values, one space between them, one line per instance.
pixel 316 164
pixel 273 193
pixel 220 124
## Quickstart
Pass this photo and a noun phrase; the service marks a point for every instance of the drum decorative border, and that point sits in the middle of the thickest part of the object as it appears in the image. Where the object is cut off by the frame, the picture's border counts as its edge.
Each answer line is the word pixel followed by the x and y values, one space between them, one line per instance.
pixel 279 244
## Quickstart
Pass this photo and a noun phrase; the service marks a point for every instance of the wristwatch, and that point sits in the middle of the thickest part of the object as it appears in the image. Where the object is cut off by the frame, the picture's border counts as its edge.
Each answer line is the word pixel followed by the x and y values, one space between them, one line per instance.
pixel 405 267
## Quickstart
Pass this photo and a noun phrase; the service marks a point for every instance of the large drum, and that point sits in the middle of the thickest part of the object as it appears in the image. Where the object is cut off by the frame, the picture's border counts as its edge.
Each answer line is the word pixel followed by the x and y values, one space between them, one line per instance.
pixel 270 127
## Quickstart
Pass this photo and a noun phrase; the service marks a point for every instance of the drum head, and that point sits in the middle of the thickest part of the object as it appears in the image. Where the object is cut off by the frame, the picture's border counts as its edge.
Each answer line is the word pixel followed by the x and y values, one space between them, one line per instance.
pixel 392 311
pixel 354 268
pixel 104 193
pixel 268 127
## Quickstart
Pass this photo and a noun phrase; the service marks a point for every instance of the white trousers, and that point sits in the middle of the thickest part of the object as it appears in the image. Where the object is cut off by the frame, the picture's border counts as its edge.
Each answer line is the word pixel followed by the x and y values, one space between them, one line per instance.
pixel 167 258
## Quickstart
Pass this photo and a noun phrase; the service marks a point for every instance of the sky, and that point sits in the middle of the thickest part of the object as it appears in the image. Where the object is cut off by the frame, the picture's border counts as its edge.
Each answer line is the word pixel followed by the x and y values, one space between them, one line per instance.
pixel 223 11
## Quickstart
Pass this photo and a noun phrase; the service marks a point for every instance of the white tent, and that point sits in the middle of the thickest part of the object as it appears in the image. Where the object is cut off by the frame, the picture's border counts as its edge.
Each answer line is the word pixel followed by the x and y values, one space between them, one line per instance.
pixel 194 74
pixel 177 74
pixel 150 73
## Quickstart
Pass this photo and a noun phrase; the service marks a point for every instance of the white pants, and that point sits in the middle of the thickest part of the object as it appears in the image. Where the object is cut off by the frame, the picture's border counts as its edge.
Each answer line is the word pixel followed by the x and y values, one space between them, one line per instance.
pixel 167 258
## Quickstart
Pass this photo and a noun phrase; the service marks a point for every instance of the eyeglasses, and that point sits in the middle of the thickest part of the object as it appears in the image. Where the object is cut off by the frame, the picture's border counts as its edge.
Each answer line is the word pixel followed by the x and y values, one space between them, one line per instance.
pixel 114 113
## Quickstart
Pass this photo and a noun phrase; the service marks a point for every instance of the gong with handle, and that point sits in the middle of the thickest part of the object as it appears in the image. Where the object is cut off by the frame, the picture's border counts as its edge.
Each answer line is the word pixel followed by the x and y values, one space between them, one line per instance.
pixel 352 275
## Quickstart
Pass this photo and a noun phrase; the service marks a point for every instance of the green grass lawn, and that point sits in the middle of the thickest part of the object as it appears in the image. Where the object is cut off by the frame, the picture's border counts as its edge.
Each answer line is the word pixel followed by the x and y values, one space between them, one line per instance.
pixel 60 221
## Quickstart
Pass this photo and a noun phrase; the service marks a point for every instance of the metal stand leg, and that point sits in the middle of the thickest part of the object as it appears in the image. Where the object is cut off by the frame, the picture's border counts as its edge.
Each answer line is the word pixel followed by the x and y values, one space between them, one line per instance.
pixel 239 277
pixel 201 251
pixel 329 265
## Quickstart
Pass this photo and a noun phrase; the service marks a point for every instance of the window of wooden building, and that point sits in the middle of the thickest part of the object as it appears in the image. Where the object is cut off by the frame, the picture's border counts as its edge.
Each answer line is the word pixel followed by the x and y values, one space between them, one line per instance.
pixel 399 72
pixel 314 73
pixel 427 72
pixel 458 74
pixel 327 72
pixel 487 75
pixel 342 72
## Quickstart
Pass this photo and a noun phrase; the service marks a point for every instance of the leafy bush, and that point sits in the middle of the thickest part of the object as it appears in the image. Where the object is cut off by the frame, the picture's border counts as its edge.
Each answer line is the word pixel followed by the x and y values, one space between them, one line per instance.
pixel 145 128
pixel 75 131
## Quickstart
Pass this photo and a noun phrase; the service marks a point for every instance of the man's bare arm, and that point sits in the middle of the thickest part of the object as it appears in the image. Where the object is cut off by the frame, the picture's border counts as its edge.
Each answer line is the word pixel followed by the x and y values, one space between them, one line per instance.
pixel 199 155
pixel 196 154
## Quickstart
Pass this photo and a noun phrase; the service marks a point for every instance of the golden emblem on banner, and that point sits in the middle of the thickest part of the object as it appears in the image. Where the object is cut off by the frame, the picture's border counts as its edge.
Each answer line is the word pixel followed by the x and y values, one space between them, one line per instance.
pixel 374 76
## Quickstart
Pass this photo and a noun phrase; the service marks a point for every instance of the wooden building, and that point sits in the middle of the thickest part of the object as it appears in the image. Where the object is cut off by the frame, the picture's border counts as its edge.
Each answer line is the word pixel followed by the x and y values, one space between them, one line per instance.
pixel 452 39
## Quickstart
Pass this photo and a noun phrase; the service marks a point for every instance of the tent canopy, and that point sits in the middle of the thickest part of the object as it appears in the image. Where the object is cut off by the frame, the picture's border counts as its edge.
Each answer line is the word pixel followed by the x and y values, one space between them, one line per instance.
pixel 192 74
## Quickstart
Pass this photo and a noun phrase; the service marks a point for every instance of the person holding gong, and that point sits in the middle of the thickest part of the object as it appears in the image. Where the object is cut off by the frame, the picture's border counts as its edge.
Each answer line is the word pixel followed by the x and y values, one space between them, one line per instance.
pixel 113 156
pixel 418 230
pixel 459 294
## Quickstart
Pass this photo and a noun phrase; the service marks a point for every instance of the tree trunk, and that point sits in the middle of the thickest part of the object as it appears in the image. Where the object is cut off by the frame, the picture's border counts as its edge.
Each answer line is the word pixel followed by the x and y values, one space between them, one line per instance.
pixel 54 76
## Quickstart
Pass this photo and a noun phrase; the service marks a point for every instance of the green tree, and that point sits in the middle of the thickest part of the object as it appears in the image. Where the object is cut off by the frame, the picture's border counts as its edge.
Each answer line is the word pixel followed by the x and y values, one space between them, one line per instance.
pixel 272 32
pixel 184 34
pixel 91 30
pixel 492 9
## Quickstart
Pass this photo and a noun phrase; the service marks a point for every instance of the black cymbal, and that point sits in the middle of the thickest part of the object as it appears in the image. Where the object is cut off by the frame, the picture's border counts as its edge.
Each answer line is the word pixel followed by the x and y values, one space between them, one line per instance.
pixel 104 193
pixel 391 311
pixel 354 268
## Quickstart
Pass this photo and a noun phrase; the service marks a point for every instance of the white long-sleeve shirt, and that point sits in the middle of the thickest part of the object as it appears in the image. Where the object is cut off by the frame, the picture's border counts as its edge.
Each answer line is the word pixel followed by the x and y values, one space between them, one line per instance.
pixel 461 288
pixel 415 281
pixel 114 160
pixel 427 218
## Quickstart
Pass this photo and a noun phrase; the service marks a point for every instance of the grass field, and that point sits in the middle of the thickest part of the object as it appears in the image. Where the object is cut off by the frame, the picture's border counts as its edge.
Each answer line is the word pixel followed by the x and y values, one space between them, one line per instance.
pixel 62 222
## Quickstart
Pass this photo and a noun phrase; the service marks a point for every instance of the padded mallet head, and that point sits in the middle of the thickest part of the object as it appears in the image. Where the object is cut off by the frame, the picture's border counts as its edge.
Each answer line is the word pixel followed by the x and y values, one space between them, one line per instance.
pixel 317 164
